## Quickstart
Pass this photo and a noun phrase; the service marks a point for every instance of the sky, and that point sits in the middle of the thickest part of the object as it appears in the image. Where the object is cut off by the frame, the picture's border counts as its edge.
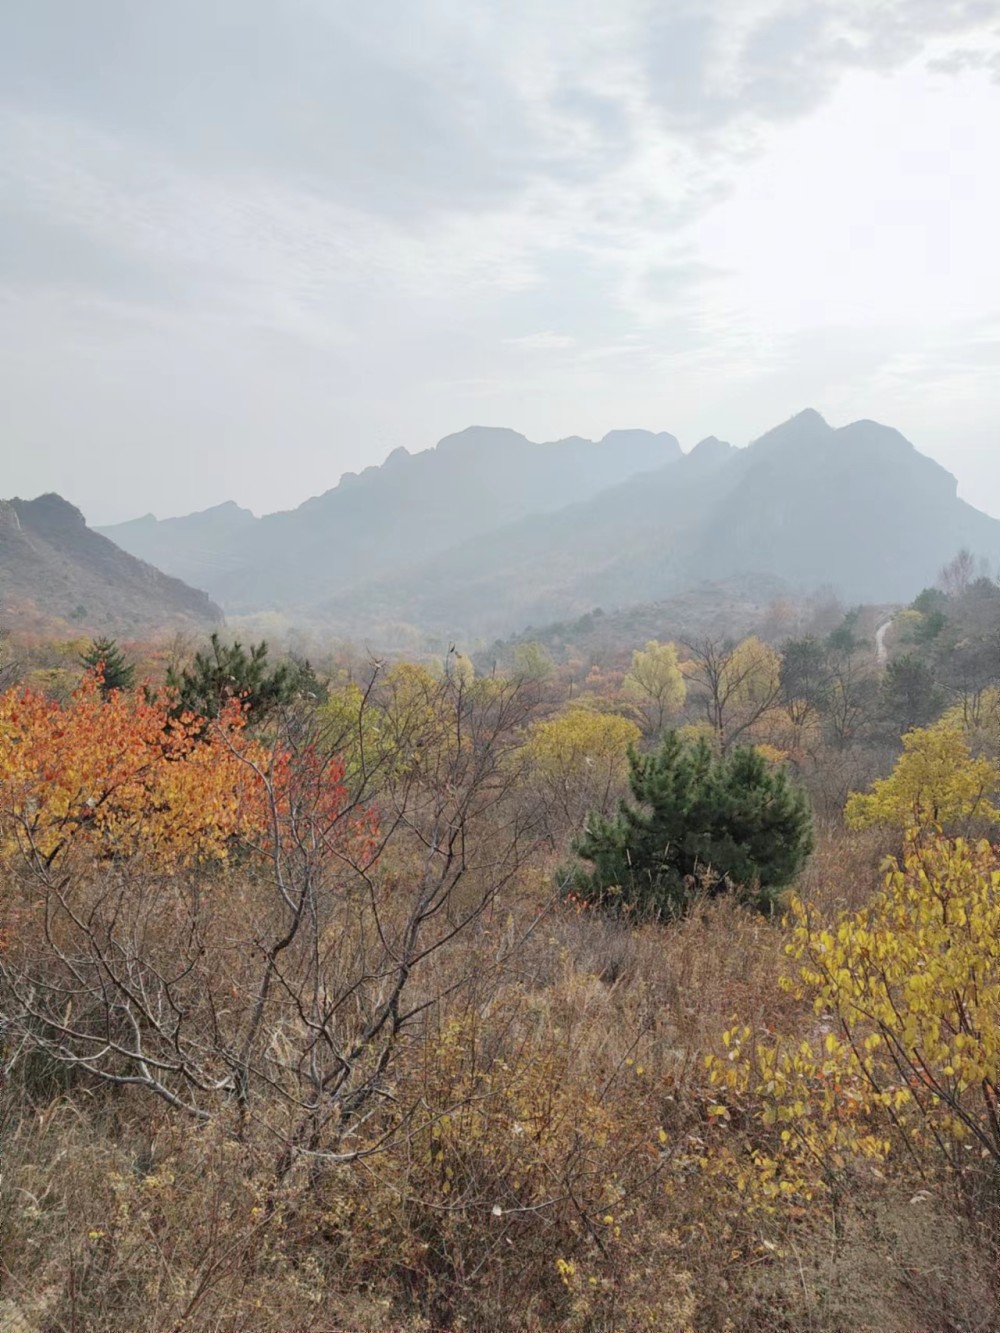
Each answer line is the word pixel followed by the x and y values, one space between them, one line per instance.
pixel 248 245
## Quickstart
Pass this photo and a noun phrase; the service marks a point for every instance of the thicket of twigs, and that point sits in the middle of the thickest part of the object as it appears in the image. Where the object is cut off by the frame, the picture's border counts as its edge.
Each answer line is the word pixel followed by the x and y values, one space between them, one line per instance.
pixel 356 1064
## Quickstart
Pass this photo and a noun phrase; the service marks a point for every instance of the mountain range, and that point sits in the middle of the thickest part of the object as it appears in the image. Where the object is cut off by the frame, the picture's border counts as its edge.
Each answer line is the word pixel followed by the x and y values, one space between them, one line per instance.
pixel 411 509
pixel 489 531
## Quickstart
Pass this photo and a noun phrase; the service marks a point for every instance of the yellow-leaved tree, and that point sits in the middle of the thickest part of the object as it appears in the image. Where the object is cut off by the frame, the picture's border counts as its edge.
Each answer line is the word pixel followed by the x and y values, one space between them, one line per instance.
pixel 937 783
pixel 578 762
pixel 655 686
pixel 905 1055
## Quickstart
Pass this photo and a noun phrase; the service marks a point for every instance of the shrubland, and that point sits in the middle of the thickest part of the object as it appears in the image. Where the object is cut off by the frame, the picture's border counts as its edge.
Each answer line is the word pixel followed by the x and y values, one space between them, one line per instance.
pixel 305 1021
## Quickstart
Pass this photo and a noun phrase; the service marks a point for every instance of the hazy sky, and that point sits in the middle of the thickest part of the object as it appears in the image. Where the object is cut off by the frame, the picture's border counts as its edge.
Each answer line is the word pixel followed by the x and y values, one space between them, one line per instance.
pixel 246 245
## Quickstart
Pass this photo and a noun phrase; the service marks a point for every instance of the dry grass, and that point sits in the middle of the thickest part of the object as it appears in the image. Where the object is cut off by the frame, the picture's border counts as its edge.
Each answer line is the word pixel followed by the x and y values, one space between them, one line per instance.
pixel 527 1184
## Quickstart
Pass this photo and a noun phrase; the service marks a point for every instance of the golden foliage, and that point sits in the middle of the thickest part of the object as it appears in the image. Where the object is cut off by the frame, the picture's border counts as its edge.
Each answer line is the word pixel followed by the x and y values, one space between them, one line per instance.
pixel 578 761
pixel 904 1057
pixel 655 685
pixel 564 748
pixel 937 783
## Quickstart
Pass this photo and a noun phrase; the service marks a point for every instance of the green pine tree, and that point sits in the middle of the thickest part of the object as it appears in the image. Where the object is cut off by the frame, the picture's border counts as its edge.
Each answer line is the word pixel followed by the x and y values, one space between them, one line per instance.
pixel 226 671
pixel 105 656
pixel 910 695
pixel 696 822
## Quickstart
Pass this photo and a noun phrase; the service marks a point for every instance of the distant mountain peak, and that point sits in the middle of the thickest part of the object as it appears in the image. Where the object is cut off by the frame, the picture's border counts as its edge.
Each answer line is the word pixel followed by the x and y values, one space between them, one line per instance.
pixel 809 417
pixel 633 433
pixel 229 507
pixel 479 437
pixel 658 445
pixel 51 508
pixel 708 455
pixel 806 428
pixel 711 444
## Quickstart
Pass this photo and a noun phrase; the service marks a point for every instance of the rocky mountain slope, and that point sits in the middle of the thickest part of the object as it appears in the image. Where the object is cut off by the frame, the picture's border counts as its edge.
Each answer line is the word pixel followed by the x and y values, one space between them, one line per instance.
pixel 52 565
pixel 197 547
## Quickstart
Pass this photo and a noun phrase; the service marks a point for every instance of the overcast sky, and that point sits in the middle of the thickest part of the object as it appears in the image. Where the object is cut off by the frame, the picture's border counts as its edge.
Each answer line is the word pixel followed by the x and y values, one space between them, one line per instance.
pixel 246 245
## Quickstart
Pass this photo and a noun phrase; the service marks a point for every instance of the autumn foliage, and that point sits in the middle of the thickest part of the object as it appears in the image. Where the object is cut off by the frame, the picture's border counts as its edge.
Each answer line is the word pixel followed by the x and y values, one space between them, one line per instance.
pixel 298 1028
pixel 121 777
pixel 937 783
pixel 902 1065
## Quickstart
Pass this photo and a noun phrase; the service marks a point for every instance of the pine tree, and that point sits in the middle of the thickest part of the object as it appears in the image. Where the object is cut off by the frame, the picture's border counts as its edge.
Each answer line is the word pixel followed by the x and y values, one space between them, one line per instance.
pixel 105 656
pixel 910 696
pixel 696 822
pixel 227 671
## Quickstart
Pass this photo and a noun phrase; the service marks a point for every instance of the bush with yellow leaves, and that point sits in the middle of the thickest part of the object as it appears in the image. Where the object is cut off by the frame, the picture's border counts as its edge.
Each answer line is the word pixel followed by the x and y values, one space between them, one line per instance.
pixel 903 1065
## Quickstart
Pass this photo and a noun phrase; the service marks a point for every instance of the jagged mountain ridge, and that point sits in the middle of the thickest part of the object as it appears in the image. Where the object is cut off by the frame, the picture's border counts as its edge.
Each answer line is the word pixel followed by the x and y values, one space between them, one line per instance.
pixel 545 567
pixel 856 508
pixel 487 532
pixel 410 509
pixel 52 563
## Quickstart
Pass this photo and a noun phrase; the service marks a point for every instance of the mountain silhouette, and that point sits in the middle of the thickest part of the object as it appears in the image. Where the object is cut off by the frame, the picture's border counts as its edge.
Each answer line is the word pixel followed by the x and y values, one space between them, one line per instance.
pixel 488 532
pixel 409 509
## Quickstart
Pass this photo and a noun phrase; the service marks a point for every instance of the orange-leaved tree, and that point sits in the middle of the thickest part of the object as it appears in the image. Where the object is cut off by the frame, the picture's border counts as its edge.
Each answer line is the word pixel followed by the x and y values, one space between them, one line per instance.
pixel 118 777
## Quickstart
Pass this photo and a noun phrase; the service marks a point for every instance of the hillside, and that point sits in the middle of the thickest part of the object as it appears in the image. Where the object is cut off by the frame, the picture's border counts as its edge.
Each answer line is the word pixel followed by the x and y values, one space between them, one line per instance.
pixel 858 508
pixel 411 509
pixel 196 548
pixel 53 565
pixel 729 609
